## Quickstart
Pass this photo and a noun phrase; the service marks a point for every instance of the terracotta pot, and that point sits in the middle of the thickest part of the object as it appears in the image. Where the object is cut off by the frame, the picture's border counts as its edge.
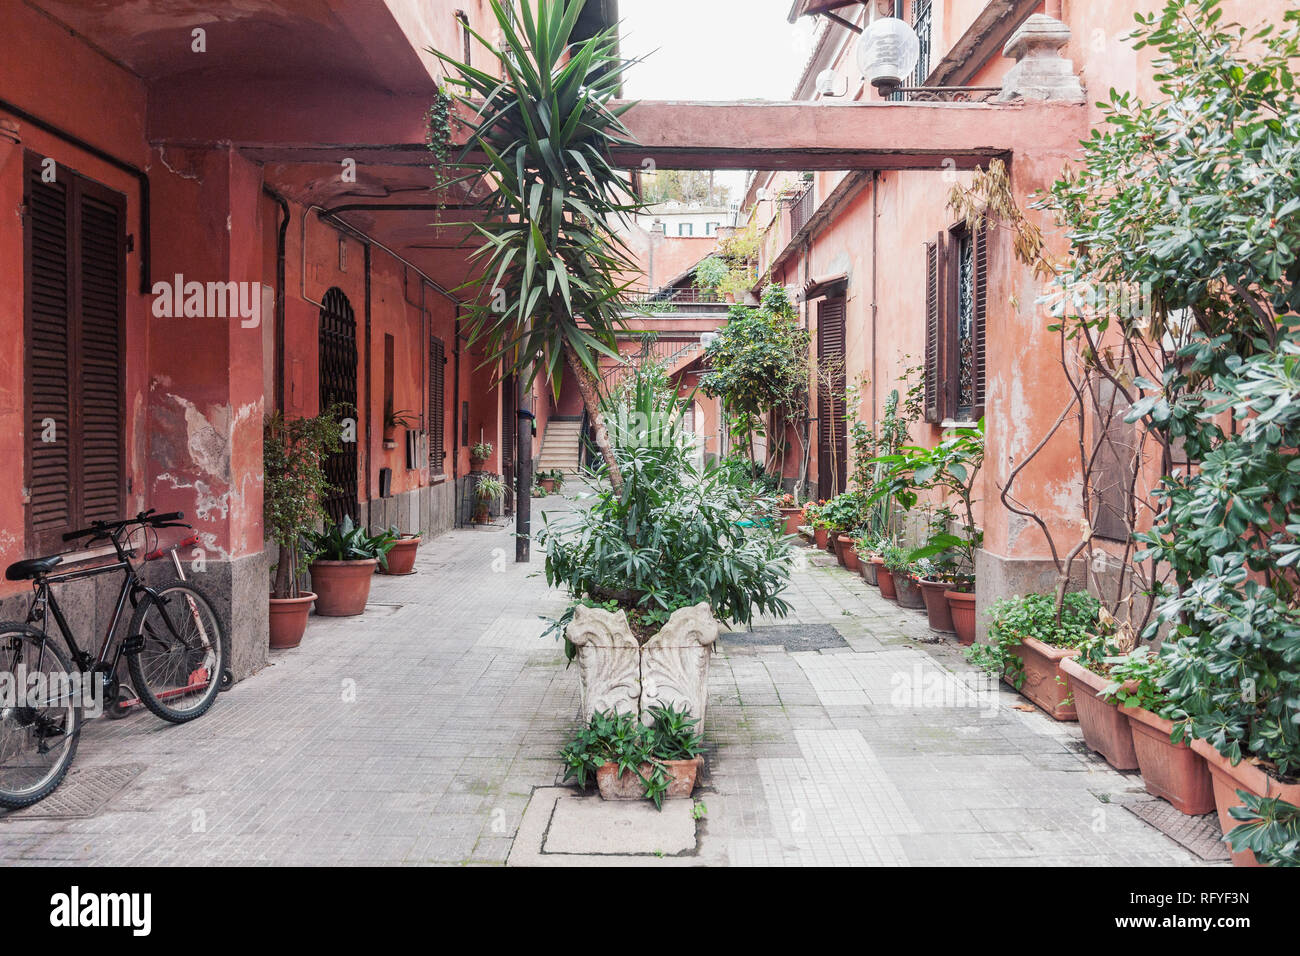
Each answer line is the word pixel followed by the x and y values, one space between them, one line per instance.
pixel 867 568
pixel 401 558
pixel 849 553
pixel 1174 772
pixel 1245 776
pixel 936 606
pixel 482 514
pixel 548 484
pixel 961 608
pixel 1105 729
pixel 840 548
pixel 885 580
pixel 1045 683
pixel 289 619
pixel 342 587
pixel 819 537
pixel 792 517
pixel 908 590
pixel 683 774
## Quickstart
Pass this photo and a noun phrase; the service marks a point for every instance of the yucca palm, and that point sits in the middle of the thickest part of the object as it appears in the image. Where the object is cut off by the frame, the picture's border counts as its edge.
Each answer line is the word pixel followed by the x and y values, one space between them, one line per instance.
pixel 552 270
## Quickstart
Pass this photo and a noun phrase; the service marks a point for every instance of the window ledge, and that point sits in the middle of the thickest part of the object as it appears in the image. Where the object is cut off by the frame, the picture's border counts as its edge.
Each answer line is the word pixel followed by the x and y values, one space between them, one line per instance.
pixel 437 479
pixel 953 423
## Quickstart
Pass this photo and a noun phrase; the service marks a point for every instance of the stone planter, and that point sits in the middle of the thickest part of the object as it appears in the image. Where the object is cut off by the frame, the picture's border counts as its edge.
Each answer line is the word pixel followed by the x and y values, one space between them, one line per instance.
pixel 401 557
pixel 885 580
pixel 289 620
pixel 670 669
pixel 849 553
pixel 908 590
pixel 342 587
pixel 1045 683
pixel 1105 729
pixel 819 537
pixel 867 568
pixel 683 774
pixel 1173 772
pixel 1245 776
pixel 936 606
pixel 961 608
pixel 791 517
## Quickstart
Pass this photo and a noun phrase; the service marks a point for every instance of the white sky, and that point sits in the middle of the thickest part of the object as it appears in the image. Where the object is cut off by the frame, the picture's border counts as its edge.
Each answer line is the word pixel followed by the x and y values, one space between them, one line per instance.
pixel 713 50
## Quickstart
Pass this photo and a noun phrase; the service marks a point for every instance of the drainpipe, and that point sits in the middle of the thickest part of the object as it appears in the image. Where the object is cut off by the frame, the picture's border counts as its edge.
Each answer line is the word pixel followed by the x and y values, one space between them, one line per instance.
pixel 141 178
pixel 455 409
pixel 280 246
pixel 875 258
pixel 369 496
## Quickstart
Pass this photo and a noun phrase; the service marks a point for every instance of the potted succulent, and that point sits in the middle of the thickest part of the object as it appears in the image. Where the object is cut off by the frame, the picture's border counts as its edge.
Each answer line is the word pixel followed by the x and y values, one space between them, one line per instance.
pixel 294 484
pixel 343 566
pixel 401 556
pixel 489 490
pixel 479 453
pixel 1028 639
pixel 891 556
pixel 651 572
pixel 393 421
pixel 1105 729
pixel 632 760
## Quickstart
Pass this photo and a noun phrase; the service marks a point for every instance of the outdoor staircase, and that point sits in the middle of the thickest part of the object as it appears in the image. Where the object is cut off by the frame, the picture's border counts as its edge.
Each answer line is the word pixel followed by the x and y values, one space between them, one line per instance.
pixel 560 447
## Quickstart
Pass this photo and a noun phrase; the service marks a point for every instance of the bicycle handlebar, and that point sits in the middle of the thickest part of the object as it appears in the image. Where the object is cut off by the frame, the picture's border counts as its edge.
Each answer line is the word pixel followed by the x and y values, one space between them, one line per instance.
pixel 104 529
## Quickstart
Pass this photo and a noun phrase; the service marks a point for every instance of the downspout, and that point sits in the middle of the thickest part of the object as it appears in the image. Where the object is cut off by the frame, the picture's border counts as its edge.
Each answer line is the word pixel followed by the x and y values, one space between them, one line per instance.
pixel 455 405
pixel 141 177
pixel 280 248
pixel 875 258
pixel 369 497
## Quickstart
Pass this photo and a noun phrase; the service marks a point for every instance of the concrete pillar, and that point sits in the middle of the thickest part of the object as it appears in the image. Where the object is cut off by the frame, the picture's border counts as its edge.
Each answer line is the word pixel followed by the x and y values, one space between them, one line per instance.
pixel 1040 73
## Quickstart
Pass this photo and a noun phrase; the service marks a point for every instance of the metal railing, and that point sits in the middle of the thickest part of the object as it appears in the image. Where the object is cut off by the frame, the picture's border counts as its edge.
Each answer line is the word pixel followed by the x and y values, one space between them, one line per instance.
pixel 801 211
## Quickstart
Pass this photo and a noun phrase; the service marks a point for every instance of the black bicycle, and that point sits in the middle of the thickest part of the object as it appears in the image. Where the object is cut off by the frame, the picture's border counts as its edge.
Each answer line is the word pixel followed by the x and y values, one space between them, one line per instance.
pixel 176 647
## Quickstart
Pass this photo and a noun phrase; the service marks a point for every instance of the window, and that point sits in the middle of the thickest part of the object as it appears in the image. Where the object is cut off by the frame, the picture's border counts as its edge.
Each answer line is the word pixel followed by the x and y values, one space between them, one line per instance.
pixel 710 228
pixel 922 20
pixel 437 409
pixel 75 265
pixel 463 19
pixel 685 229
pixel 956 279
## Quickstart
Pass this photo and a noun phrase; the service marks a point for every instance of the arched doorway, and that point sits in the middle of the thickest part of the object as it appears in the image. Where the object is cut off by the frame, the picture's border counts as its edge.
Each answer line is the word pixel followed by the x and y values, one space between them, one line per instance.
pixel 338 383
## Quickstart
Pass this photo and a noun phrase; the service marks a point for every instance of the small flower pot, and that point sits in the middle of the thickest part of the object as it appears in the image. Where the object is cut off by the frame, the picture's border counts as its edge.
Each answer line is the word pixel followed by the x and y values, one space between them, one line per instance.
pixel 936 606
pixel 401 558
pixel 548 484
pixel 1045 683
pixel 908 590
pixel 1171 771
pixel 819 537
pixel 628 786
pixel 1105 729
pixel 961 608
pixel 342 587
pixel 1245 776
pixel 848 553
pixel 289 620
pixel 867 568
pixel 791 517
pixel 885 580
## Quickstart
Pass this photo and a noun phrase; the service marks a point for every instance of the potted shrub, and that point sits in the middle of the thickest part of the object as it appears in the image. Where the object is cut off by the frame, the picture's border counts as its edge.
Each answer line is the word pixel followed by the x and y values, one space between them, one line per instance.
pixel 393 421
pixel 651 571
pixel 489 490
pixel 479 453
pixel 891 556
pixel 632 760
pixel 1028 639
pixel 551 481
pixel 907 583
pixel 867 552
pixel 343 566
pixel 935 576
pixel 294 484
pixel 841 515
pixel 401 556
pixel 1105 729
pixel 538 491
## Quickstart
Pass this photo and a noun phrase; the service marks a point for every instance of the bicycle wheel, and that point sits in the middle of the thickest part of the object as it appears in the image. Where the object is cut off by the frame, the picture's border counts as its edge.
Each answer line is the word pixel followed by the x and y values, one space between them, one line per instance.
pixel 176 665
pixel 40 716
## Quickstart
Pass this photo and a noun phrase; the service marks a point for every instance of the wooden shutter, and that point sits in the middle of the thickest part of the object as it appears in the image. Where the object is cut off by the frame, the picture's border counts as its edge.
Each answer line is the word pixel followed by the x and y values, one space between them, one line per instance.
pixel 979 251
pixel 437 406
pixel 935 297
pixel 832 444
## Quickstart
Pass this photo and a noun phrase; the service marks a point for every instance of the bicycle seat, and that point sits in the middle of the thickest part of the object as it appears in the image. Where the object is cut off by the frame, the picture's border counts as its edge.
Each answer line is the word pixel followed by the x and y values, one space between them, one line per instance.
pixel 25 570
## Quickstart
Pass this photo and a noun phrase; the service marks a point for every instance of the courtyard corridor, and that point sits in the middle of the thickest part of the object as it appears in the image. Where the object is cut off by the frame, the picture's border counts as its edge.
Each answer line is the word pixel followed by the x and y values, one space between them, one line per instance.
pixel 419 734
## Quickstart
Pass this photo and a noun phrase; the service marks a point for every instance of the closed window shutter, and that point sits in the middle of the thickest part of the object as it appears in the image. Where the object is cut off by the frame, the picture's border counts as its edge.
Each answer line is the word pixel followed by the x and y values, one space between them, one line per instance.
pixel 980 251
pixel 437 405
pixel 75 265
pixel 832 466
pixel 934 326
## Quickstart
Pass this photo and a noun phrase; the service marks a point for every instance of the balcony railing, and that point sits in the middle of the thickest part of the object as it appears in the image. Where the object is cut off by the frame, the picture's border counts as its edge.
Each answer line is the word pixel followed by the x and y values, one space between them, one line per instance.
pixel 801 211
pixel 671 300
pixel 945 94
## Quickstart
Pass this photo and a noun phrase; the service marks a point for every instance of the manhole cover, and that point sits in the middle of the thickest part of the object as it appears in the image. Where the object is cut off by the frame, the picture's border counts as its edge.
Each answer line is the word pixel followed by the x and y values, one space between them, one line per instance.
pixel 793 637
pixel 83 793
pixel 1201 834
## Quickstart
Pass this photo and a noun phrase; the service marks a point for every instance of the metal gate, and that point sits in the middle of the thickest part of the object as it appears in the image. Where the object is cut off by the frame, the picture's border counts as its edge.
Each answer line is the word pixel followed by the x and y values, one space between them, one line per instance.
pixel 338 383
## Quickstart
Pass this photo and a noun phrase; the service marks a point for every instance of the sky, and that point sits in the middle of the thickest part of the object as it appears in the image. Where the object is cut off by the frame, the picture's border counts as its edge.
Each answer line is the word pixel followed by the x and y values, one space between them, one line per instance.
pixel 713 50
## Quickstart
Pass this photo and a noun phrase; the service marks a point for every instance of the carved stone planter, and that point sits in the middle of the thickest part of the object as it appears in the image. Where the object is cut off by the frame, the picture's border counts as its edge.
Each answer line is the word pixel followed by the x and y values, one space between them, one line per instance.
pixel 618 674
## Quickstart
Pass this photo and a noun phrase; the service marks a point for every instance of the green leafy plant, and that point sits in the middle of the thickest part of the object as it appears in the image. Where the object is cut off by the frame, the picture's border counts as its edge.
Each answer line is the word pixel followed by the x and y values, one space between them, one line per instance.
pixel 896 560
pixel 843 513
pixel 1270 828
pixel 710 274
pixel 489 489
pixel 294 485
pixel 633 747
pixel 481 451
pixel 346 541
pixel 1135 681
pixel 1011 620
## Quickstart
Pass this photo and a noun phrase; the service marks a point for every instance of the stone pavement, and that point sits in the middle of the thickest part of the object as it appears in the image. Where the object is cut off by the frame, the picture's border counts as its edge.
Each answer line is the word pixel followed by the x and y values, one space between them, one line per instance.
pixel 420 733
